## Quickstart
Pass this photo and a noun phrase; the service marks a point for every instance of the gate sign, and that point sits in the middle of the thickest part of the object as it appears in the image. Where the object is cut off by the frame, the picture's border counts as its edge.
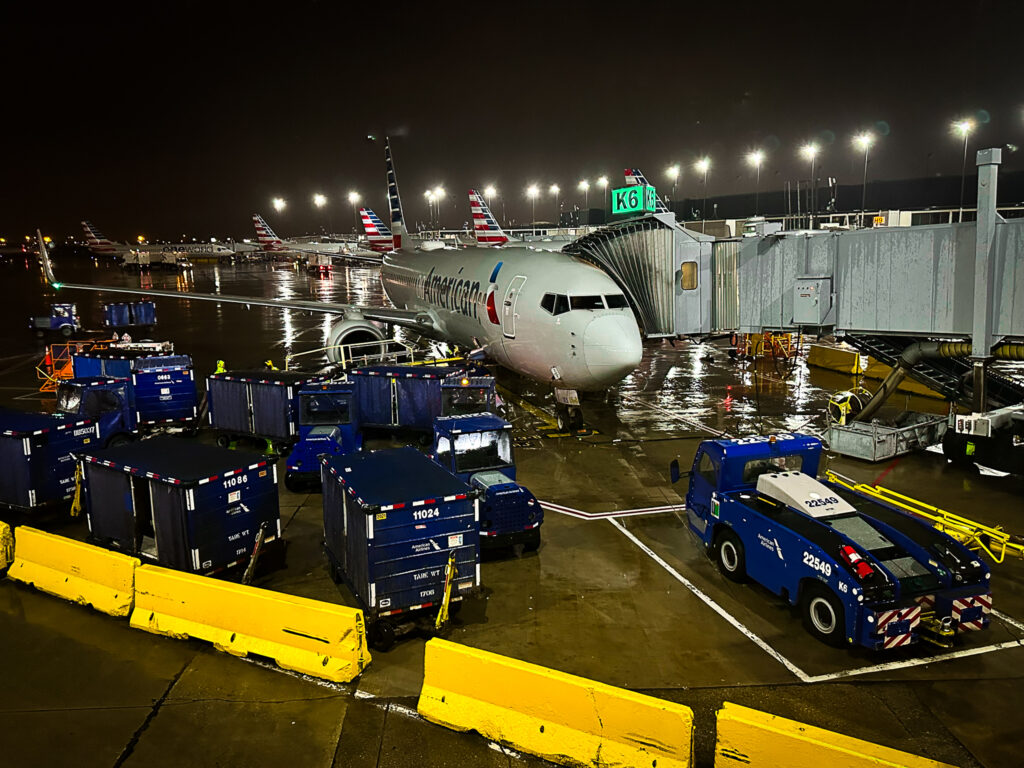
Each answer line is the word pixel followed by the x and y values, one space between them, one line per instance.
pixel 635 199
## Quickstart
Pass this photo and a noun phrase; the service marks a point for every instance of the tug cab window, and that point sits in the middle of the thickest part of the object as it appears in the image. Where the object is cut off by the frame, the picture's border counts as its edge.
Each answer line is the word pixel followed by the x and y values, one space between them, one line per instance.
pixel 754 468
pixel 707 469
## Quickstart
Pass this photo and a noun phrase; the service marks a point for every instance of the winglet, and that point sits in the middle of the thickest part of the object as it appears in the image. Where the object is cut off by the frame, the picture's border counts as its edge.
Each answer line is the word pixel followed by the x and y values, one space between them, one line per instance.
pixel 47 266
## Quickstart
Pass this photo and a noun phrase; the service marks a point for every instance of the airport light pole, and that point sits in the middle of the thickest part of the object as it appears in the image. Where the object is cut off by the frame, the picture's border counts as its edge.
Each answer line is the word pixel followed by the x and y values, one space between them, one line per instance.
pixel 755 159
pixel 584 185
pixel 964 128
pixel 864 141
pixel 703 166
pixel 810 151
pixel 531 192
pixel 672 172
pixel 438 197
pixel 429 195
pixel 353 198
pixel 319 201
pixel 602 182
pixel 554 189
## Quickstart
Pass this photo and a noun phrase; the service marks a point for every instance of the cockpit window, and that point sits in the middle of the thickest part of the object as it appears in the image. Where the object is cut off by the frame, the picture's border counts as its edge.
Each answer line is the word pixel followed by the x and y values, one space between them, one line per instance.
pixel 586 302
pixel 554 303
pixel 615 301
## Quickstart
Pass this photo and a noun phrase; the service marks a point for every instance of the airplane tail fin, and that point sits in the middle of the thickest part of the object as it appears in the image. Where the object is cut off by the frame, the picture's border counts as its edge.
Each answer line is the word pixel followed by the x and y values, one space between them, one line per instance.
pixel 265 235
pixel 397 216
pixel 634 176
pixel 379 236
pixel 485 226
pixel 95 240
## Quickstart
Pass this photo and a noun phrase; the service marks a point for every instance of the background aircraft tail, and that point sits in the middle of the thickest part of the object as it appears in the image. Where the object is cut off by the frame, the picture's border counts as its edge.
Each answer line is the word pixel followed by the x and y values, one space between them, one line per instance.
pixel 379 236
pixel 95 240
pixel 485 226
pixel 265 235
pixel 397 216
pixel 634 176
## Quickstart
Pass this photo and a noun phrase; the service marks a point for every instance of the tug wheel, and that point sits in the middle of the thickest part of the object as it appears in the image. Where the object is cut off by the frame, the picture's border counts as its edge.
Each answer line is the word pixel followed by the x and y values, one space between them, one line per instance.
pixel 823 615
pixel 730 556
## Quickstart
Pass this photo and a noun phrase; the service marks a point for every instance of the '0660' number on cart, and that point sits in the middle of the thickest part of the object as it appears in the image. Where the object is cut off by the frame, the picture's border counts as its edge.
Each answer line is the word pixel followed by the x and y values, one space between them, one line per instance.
pixel 817 564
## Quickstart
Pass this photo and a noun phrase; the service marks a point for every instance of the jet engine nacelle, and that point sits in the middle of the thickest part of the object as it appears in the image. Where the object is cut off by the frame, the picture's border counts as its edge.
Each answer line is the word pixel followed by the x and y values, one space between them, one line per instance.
pixel 346 333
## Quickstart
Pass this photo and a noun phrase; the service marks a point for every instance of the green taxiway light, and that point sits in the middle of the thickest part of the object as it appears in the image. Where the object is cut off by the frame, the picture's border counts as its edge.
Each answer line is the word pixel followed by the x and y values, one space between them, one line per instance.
pixel 58 286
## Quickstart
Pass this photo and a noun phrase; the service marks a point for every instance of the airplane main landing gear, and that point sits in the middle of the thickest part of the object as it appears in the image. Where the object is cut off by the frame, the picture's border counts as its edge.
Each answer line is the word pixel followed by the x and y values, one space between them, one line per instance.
pixel 569 417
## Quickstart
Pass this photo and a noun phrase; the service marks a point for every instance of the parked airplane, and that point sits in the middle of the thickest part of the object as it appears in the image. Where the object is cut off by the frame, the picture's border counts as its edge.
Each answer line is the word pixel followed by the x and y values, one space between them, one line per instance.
pixel 271 243
pixel 489 233
pixel 379 236
pixel 100 245
pixel 548 316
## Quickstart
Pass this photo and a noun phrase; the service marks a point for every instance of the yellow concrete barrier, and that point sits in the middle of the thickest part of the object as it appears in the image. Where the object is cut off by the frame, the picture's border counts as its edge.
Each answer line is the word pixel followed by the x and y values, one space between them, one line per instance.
pixel 834 358
pixel 748 737
pixel 74 570
pixel 563 718
pixel 6 545
pixel 319 639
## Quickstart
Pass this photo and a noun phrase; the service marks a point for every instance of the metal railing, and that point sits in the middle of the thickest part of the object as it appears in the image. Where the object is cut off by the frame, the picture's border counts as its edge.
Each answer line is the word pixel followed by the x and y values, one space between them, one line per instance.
pixel 381 352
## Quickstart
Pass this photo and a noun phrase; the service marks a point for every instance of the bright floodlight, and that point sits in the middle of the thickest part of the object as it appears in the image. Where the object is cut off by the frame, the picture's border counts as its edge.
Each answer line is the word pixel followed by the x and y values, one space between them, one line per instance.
pixel 810 151
pixel 490 191
pixel 863 141
pixel 279 204
pixel 703 165
pixel 439 192
pixel 319 200
pixel 755 158
pixel 429 194
pixel 353 197
pixel 602 182
pixel 672 172
pixel 584 185
pixel 963 127
pixel 554 189
pixel 141 238
pixel 532 191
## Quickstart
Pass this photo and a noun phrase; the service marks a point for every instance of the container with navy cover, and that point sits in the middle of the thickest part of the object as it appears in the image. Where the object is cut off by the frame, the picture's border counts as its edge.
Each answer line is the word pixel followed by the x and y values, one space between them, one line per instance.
pixel 122 314
pixel 391 520
pixel 163 386
pixel 261 404
pixel 410 397
pixel 180 503
pixel 36 456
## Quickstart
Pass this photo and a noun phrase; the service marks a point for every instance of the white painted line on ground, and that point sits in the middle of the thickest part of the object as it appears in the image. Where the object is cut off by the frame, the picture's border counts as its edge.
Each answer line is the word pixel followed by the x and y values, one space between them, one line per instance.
pixel 360 694
pixel 803 676
pixel 712 604
pixel 572 512
pixel 504 750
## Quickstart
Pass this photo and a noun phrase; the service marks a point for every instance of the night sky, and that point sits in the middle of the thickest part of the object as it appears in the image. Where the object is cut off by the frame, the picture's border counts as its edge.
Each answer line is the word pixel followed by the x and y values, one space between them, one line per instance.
pixel 185 118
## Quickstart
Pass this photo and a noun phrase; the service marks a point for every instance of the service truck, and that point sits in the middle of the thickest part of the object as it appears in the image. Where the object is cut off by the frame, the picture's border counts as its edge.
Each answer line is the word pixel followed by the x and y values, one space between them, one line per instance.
pixel 862 572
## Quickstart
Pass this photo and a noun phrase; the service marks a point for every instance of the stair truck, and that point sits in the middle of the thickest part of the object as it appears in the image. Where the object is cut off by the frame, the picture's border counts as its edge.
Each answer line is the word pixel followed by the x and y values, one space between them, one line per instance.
pixel 402 533
pixel 477 448
pixel 36 452
pixel 862 572
pixel 260 405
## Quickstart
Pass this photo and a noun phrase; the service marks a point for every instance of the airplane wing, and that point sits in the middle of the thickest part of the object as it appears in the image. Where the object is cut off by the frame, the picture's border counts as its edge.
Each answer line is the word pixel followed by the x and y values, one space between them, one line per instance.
pixel 415 319
pixel 373 259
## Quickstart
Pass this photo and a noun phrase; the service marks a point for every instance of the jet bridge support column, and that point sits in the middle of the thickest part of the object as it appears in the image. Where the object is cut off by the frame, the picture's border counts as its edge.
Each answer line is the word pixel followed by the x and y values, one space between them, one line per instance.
pixel 988 161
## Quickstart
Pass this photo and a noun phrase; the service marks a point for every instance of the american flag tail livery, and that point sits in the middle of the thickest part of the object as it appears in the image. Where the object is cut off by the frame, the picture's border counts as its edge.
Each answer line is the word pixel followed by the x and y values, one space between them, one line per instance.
pixel 634 176
pixel 397 217
pixel 485 226
pixel 95 240
pixel 265 235
pixel 379 236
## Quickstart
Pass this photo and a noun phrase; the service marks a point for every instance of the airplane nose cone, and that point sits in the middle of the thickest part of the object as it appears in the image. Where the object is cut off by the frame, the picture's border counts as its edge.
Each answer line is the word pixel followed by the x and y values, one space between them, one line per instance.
pixel 611 347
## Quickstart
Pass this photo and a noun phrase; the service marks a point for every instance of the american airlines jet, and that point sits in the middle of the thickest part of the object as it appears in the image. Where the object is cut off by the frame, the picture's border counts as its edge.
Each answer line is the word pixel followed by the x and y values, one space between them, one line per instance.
pixel 270 242
pixel 100 245
pixel 549 316
pixel 488 231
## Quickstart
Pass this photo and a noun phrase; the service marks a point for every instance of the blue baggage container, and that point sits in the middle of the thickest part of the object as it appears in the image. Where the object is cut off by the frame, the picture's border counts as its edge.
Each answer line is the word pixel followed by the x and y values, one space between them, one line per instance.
pixel 36 454
pixel 262 404
pixel 391 520
pixel 116 315
pixel 181 504
pixel 122 314
pixel 163 386
pixel 143 313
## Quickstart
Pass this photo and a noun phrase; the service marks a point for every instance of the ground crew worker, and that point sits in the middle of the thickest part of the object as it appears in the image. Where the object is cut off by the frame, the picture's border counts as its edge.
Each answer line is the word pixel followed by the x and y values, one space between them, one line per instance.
pixel 270 365
pixel 220 367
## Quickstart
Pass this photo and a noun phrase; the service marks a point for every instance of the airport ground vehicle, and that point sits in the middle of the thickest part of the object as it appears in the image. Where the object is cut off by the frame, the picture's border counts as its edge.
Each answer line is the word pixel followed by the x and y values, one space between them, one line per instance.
pixel 264 405
pixel 477 448
pixel 36 453
pixel 326 424
pixel 402 533
pixel 63 318
pixel 181 504
pixel 862 572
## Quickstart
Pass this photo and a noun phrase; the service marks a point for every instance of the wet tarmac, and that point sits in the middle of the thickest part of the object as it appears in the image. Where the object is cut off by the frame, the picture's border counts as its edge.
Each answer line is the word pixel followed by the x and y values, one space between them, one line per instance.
pixel 628 599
